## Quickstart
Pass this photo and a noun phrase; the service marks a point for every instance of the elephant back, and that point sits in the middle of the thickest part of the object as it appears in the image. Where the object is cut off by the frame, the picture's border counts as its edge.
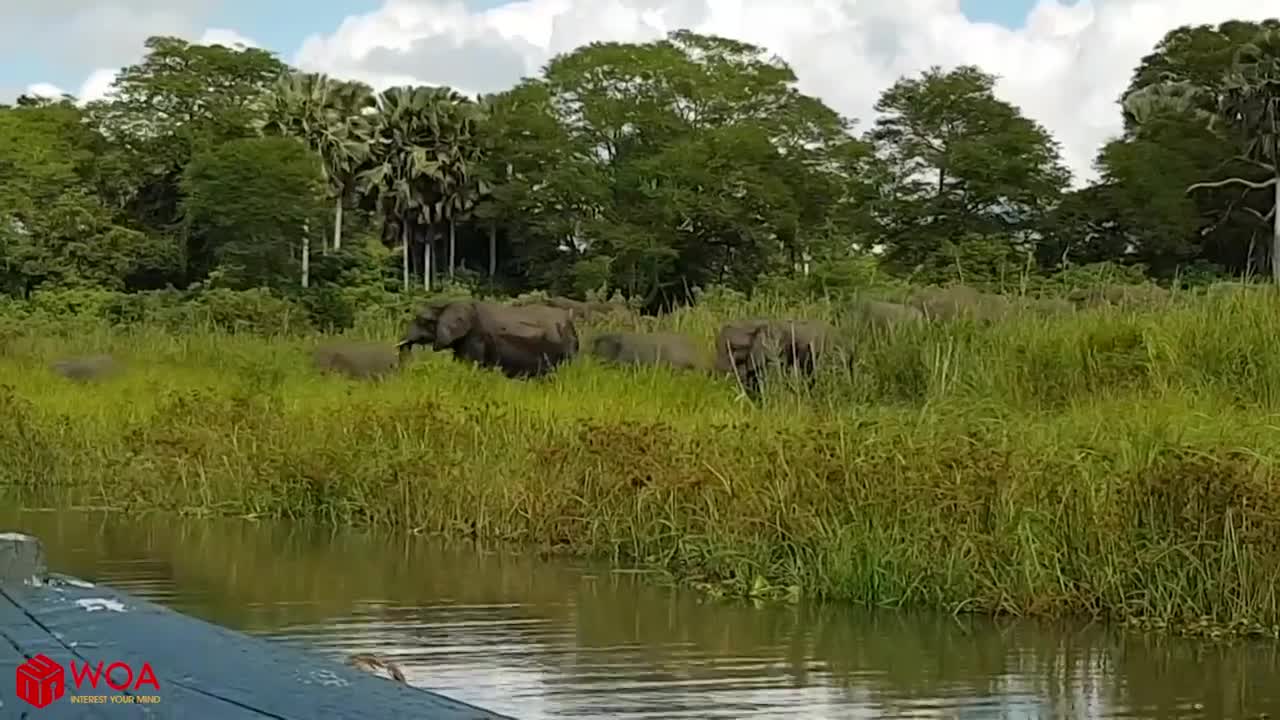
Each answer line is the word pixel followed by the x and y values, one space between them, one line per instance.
pixel 81 369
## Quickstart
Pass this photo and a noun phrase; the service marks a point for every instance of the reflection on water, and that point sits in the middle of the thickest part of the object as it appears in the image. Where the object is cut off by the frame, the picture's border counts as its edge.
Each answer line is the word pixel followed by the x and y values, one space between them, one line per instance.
pixel 535 639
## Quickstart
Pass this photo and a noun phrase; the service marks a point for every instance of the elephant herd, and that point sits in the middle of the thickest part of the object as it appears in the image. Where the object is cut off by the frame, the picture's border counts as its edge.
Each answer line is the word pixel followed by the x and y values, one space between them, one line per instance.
pixel 531 338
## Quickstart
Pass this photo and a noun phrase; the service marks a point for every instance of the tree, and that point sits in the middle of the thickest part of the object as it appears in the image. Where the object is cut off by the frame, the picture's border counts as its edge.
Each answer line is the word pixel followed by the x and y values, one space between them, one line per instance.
pixel 422 149
pixel 450 128
pixel 391 175
pixel 53 226
pixel 1250 107
pixel 679 162
pixel 965 166
pixel 1167 146
pixel 1235 116
pixel 235 206
pixel 545 183
pixel 330 117
pixel 182 99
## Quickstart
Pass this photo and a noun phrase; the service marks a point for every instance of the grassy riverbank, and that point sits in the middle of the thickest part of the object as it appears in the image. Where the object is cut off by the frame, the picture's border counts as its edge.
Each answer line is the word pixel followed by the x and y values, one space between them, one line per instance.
pixel 1109 462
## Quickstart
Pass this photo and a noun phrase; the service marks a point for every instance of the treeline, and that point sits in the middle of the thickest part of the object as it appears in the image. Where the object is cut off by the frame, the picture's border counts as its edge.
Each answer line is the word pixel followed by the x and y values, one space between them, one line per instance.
pixel 651 170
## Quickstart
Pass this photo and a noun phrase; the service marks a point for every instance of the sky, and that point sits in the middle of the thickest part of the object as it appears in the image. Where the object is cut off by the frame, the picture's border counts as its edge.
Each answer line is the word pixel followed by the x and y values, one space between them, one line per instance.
pixel 1064 63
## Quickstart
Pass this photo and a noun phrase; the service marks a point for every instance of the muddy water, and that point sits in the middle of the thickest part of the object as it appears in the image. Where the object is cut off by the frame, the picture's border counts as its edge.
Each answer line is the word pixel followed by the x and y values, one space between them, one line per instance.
pixel 534 638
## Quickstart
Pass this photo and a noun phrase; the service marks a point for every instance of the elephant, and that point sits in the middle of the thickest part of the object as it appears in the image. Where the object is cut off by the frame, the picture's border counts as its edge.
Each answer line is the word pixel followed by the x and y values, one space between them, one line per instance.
pixel 1051 307
pixel 960 301
pixel 81 369
pixel 584 311
pixel 521 341
pixel 356 360
pixel 748 348
pixel 1144 295
pixel 632 348
pixel 883 316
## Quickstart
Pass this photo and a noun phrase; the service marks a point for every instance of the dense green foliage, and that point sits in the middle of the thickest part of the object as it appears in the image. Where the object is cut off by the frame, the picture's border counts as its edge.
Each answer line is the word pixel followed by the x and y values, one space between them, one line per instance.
pixel 1117 462
pixel 650 169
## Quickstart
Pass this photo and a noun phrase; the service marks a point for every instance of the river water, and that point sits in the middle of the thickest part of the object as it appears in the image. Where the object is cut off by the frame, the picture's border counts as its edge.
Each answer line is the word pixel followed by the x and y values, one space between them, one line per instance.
pixel 536 638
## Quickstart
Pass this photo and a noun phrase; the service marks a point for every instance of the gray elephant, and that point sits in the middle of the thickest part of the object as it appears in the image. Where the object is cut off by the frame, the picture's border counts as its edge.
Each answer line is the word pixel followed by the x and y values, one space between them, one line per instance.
pixel 83 369
pixel 631 348
pixel 1050 307
pixel 749 348
pixel 584 311
pixel 883 317
pixel 526 341
pixel 1145 296
pixel 960 301
pixel 356 360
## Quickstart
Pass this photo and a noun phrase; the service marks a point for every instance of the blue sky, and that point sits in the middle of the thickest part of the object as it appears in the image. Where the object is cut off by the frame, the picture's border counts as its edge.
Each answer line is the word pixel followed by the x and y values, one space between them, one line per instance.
pixel 281 25
pixel 275 23
pixel 1010 13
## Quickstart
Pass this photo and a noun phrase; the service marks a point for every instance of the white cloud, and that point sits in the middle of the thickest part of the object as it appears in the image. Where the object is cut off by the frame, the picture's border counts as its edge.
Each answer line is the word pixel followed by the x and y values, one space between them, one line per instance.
pixel 103 35
pixel 94 87
pixel 46 90
pixel 1065 68
pixel 95 34
pixel 97 85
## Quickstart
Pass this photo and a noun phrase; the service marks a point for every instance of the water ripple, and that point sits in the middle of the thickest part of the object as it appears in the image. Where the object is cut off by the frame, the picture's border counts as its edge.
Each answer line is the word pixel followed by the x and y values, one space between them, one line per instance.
pixel 538 640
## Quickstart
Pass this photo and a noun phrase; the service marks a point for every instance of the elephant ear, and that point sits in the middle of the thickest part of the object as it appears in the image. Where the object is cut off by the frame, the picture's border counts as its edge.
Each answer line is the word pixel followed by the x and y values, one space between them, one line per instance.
pixel 539 324
pixel 730 343
pixel 758 349
pixel 455 322
pixel 560 328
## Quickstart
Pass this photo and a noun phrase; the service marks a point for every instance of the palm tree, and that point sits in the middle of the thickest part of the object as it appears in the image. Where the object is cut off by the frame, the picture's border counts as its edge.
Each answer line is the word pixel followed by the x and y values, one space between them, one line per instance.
pixel 421 154
pixel 1174 98
pixel 331 117
pixel 451 124
pixel 391 172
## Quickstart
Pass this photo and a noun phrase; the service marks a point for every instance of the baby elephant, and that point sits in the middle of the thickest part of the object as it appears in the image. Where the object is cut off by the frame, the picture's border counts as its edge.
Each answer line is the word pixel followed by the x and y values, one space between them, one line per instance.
pixel 82 369
pixel 748 348
pixel 630 348
pixel 356 360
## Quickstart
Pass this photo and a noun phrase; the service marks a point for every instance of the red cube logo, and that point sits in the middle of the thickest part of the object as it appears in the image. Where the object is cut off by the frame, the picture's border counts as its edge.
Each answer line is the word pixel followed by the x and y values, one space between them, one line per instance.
pixel 40 681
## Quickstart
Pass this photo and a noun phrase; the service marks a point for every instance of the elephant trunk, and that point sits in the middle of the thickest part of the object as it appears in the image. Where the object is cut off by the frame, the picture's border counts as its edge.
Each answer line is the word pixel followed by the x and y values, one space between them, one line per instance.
pixel 403 348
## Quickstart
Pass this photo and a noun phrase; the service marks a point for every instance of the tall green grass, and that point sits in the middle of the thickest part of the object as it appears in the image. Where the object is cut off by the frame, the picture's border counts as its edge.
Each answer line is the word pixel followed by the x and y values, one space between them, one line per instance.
pixel 1114 463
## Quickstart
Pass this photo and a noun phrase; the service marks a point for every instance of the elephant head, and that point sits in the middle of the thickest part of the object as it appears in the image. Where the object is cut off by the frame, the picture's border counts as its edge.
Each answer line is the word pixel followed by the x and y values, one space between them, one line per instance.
pixel 438 325
pixel 733 345
pixel 747 348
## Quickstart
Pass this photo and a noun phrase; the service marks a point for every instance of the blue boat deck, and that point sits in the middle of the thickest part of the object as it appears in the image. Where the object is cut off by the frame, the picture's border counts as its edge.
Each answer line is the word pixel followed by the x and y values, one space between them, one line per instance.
pixel 202 670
